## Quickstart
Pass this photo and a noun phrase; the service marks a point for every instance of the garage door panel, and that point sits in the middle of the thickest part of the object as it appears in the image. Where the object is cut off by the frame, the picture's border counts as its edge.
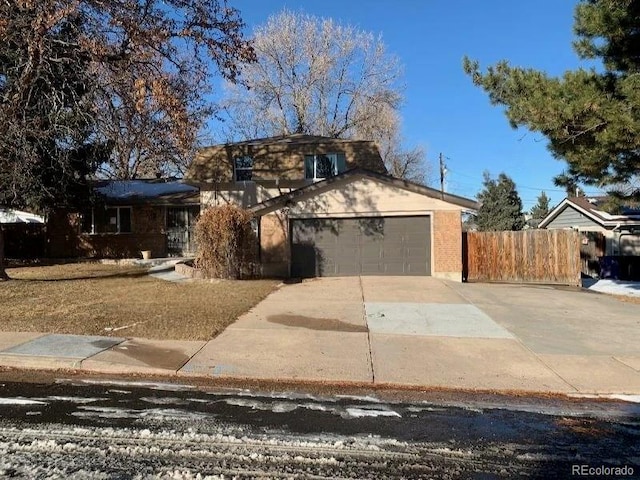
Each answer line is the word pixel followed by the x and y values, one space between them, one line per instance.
pixel 417 269
pixel 414 252
pixel 395 268
pixel 368 246
pixel 413 241
pixel 371 251
pixel 372 269
pixel 344 270
pixel 347 254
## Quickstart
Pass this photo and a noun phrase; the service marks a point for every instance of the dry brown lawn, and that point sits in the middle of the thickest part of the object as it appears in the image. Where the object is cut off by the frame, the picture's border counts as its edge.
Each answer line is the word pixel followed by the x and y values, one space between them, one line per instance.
pixel 627 299
pixel 96 299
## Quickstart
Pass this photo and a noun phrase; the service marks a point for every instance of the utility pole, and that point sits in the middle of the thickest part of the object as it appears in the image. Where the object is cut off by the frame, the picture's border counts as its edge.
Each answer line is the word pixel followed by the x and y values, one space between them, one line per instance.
pixel 443 172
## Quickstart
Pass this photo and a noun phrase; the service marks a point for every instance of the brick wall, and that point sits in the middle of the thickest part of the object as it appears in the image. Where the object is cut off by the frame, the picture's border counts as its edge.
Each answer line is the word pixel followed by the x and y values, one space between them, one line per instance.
pixel 447 244
pixel 274 245
pixel 65 239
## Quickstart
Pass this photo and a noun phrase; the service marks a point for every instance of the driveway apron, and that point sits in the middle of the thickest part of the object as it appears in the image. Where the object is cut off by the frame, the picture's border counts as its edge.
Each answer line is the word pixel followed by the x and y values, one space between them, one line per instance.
pixel 423 332
pixel 313 330
pixel 428 332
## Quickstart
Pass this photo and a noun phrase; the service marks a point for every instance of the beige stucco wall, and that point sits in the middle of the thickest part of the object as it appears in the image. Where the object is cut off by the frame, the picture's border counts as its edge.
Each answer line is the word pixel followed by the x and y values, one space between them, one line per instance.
pixel 367 196
pixel 243 195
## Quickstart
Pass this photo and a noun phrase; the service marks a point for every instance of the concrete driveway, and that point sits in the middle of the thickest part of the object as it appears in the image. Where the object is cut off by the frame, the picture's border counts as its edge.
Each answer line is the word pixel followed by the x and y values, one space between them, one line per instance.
pixel 427 332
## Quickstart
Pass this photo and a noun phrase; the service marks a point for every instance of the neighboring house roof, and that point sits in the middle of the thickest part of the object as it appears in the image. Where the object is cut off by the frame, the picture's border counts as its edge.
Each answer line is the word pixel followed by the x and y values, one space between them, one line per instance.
pixel 146 191
pixel 280 201
pixel 8 215
pixel 589 208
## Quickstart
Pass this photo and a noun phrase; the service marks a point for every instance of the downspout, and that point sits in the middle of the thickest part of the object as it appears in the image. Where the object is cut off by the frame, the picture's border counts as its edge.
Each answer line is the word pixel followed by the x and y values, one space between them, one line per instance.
pixel 615 244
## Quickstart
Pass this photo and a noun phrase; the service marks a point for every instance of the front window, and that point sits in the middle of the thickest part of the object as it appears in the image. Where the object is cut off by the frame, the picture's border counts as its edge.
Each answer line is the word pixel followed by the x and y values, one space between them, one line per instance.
pixel 243 167
pixel 324 165
pixel 107 220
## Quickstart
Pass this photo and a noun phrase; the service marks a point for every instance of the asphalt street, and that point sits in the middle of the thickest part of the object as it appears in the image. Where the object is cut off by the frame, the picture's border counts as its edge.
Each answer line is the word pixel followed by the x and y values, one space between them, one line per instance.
pixel 92 428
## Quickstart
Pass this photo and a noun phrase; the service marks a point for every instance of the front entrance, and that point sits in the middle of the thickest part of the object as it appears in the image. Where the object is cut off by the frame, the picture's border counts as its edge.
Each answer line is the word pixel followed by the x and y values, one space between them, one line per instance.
pixel 181 222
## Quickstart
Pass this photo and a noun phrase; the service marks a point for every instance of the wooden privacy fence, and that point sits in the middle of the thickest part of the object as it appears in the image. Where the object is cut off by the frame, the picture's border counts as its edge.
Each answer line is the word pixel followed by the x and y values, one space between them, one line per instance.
pixel 529 256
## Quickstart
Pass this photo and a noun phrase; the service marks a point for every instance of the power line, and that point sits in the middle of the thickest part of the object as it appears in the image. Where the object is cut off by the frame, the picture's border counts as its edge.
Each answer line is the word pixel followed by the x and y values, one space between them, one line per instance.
pixel 527 187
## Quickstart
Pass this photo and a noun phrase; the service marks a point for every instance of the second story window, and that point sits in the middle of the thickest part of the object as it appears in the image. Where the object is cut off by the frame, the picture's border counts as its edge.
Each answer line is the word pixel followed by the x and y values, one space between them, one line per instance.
pixel 243 169
pixel 323 165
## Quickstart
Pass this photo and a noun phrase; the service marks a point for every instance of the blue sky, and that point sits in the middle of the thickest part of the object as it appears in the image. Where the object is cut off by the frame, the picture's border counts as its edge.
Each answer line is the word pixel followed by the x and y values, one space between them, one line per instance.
pixel 443 111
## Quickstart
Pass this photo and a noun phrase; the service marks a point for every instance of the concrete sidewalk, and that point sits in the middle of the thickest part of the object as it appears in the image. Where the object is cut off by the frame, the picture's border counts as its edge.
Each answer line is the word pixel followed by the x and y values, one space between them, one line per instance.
pixel 386 331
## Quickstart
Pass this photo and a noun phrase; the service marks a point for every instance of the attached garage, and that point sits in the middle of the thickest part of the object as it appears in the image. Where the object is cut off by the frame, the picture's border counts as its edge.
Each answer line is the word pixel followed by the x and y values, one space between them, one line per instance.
pixel 360 246
pixel 362 223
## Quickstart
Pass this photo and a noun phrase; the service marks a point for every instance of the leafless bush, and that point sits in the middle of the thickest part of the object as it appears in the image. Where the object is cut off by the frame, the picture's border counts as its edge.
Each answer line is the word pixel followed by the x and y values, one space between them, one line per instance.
pixel 227 244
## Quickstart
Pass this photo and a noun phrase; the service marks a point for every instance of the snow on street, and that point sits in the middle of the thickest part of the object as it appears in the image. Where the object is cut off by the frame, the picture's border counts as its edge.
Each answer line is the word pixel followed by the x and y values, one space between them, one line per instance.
pixel 145 430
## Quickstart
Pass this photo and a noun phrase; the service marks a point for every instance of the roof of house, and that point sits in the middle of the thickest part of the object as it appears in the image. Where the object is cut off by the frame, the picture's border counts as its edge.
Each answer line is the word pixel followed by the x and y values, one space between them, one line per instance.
pixel 294 139
pixel 282 200
pixel 589 207
pixel 146 191
pixel 8 215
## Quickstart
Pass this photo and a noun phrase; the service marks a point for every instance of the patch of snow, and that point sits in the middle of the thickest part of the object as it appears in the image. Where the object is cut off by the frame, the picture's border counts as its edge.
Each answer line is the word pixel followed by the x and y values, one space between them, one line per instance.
pixel 616 396
pixel 157 413
pixel 78 400
pixel 357 412
pixel 626 398
pixel 20 401
pixel 17 216
pixel 242 392
pixel 615 287
pixel 164 400
pixel 140 189
pixel 168 387
pixel 351 411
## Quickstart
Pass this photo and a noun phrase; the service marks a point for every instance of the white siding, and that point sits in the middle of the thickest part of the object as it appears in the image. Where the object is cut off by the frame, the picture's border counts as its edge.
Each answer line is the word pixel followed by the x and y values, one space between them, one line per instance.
pixel 572 218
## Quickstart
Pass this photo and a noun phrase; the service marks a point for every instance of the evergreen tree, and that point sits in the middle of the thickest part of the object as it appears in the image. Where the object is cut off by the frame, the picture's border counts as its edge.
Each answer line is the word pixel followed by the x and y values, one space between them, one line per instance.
pixel 500 205
pixel 540 210
pixel 591 118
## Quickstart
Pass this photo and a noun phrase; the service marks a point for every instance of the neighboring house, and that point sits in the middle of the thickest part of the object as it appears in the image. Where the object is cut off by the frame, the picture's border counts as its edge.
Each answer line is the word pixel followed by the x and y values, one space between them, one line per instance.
pixel 621 232
pixel 23 234
pixel 128 217
pixel 327 207
pixel 8 215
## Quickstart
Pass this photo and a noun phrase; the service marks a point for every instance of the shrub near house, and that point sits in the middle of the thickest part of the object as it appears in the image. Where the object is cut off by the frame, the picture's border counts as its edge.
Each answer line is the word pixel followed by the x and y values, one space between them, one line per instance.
pixel 227 244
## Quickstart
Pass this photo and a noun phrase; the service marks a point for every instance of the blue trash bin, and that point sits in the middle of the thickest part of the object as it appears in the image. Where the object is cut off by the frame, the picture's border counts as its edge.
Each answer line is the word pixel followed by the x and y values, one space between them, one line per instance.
pixel 609 267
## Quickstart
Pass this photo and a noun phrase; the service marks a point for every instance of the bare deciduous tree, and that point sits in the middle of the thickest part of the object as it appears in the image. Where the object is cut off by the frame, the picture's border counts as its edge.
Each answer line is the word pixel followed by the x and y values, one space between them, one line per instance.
pixel 119 83
pixel 319 77
pixel 154 69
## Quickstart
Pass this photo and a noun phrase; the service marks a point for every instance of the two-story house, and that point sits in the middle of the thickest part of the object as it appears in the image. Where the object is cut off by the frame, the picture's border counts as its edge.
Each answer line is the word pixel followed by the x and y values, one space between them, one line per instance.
pixel 327 206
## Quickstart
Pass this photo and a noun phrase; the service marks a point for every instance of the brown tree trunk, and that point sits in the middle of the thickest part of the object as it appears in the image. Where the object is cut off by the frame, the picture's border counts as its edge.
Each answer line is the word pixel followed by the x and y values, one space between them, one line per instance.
pixel 3 272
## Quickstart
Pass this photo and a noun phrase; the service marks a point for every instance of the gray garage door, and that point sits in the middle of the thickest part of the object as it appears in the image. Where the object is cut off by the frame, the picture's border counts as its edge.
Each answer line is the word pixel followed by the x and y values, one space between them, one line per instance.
pixel 363 246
